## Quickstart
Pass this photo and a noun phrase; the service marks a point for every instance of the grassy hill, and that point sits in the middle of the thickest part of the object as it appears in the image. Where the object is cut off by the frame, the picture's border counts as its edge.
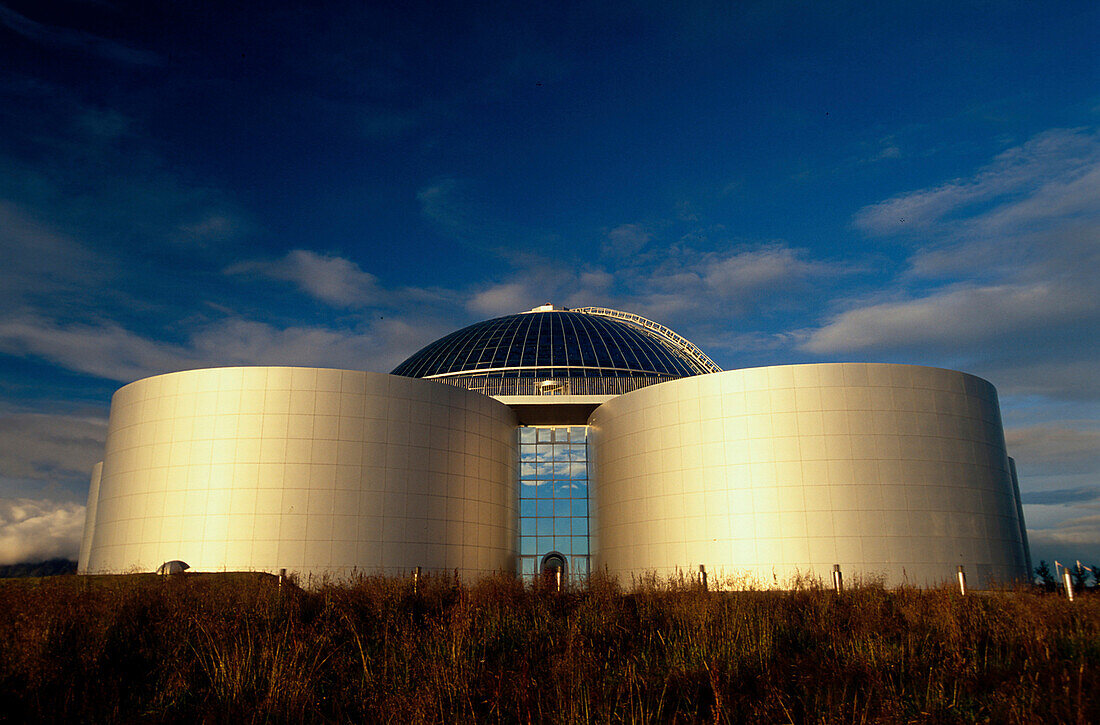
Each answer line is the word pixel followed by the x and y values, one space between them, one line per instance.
pixel 240 648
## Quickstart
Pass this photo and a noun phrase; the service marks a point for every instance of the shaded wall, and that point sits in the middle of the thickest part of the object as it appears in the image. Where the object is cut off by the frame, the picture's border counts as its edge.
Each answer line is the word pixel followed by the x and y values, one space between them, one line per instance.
pixel 891 471
pixel 89 520
pixel 318 471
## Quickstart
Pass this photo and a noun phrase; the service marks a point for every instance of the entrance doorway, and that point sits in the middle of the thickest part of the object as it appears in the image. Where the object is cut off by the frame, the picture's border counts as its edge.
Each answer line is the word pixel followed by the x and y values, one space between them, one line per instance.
pixel 553 563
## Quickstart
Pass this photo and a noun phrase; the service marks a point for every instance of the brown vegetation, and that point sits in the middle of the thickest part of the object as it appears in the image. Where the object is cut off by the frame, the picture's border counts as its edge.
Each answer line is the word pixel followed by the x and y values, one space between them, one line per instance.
pixel 238 648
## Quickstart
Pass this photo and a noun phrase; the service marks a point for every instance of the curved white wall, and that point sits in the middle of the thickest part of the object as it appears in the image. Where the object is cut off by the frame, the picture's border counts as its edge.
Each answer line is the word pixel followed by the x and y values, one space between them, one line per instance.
pixel 318 471
pixel 89 519
pixel 764 473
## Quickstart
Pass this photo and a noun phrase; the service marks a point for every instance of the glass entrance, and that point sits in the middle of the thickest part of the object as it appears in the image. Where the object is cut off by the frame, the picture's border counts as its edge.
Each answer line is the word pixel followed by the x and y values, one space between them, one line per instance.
pixel 553 499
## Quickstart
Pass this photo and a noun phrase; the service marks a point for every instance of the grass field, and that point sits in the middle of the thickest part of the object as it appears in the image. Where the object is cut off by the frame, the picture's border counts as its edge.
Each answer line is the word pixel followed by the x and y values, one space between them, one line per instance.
pixel 236 648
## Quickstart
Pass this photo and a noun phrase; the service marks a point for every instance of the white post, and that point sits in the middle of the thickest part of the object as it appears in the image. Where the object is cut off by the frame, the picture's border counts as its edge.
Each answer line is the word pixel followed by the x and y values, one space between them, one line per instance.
pixel 557 577
pixel 703 575
pixel 838 579
pixel 962 581
pixel 416 580
pixel 1067 581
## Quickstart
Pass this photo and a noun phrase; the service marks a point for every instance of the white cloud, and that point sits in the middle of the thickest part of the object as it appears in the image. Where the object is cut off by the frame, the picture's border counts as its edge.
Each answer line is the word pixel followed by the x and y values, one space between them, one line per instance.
pixel 106 350
pixel 626 240
pixel 328 278
pixel 667 285
pixel 1046 167
pixel 1056 448
pixel 34 530
pixel 749 271
pixel 954 318
pixel 1067 540
pixel 112 352
pixel 1002 275
pixel 57 37
pixel 39 258
pixel 890 152
pixel 443 202
pixel 48 447
pixel 502 299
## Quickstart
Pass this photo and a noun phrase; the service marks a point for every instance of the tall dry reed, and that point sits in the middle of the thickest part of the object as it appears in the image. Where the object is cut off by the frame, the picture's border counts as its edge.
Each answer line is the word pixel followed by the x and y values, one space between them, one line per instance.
pixel 240 648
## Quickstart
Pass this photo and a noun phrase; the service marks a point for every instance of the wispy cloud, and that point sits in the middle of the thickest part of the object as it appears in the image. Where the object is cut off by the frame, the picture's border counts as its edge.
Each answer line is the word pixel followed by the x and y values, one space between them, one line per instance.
pixel 35 530
pixel 55 37
pixel 502 299
pixel 667 284
pixel 1057 448
pixel 1002 272
pixel 953 318
pixel 110 351
pixel 1057 166
pixel 49 447
pixel 1066 540
pixel 1062 496
pixel 626 240
pixel 329 278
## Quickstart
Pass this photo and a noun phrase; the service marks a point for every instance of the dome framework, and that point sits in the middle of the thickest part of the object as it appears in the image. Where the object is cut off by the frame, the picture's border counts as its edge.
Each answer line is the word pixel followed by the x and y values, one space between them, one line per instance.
pixel 549 350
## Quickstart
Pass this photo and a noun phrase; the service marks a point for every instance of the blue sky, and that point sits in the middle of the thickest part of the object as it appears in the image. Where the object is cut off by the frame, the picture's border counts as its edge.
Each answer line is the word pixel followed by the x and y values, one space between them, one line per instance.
pixel 184 185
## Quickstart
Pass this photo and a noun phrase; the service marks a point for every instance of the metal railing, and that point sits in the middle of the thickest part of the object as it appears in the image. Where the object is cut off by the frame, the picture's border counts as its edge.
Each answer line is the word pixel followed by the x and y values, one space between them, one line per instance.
pixel 554 386
pixel 689 351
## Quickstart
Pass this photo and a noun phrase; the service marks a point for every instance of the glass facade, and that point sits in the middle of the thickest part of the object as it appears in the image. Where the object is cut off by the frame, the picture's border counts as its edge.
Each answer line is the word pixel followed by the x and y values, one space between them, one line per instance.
pixel 552 345
pixel 553 497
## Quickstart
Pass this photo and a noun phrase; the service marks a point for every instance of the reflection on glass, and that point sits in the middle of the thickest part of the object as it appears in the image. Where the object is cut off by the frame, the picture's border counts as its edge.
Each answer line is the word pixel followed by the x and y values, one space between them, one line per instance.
pixel 553 497
pixel 564 489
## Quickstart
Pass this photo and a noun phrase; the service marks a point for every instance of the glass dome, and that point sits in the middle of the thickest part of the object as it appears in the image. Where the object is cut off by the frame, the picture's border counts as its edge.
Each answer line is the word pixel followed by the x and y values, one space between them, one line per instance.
pixel 556 351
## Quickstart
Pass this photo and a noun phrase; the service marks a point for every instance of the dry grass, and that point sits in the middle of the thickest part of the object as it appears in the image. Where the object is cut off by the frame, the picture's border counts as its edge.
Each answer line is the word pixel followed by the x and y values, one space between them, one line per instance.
pixel 237 648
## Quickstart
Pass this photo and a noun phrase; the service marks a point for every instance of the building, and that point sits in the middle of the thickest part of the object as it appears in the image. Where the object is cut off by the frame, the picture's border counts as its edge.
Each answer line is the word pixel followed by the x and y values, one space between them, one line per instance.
pixel 584 439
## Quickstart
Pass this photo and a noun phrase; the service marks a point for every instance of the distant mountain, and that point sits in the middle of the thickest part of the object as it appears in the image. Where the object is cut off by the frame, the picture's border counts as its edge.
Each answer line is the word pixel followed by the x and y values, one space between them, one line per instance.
pixel 50 567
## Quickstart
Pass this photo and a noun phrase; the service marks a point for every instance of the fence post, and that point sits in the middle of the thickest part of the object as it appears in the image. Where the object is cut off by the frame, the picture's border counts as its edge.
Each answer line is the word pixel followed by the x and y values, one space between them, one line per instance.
pixel 282 577
pixel 962 580
pixel 703 575
pixel 838 579
pixel 557 577
pixel 1067 581
pixel 416 580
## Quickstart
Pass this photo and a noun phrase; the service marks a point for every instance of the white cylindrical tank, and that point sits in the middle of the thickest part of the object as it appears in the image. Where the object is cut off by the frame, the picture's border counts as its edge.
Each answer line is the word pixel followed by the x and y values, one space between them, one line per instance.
pixel 895 472
pixel 317 471
pixel 89 520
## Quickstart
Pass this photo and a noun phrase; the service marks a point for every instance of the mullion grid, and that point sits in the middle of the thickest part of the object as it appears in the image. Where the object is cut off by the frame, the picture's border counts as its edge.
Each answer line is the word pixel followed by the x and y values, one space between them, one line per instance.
pixel 556 453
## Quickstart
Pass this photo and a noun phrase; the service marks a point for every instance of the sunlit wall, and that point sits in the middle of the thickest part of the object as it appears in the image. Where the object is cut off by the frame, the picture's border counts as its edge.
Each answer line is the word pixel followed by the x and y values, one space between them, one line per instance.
pixel 322 472
pixel 892 471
